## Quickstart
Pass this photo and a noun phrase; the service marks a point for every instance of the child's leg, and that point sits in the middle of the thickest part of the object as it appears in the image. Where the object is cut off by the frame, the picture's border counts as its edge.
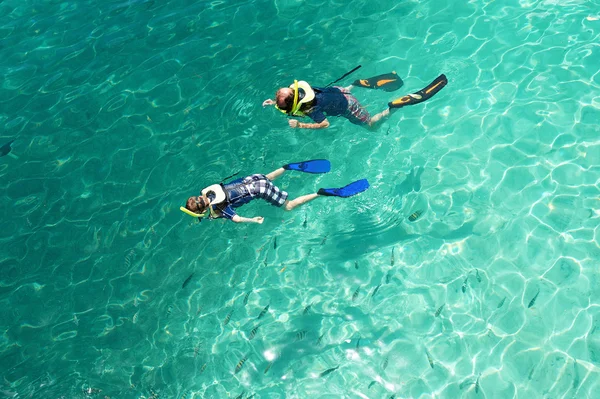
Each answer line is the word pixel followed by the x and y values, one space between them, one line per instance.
pixel 289 205
pixel 275 174
pixel 375 120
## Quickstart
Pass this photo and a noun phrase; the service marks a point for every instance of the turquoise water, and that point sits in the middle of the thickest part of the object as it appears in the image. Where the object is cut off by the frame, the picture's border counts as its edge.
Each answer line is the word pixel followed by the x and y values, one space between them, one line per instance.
pixel 121 110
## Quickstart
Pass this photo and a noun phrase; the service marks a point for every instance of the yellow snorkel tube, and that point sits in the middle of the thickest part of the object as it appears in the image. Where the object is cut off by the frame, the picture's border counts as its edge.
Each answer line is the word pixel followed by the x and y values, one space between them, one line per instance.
pixel 192 214
pixel 219 196
pixel 309 95
pixel 295 105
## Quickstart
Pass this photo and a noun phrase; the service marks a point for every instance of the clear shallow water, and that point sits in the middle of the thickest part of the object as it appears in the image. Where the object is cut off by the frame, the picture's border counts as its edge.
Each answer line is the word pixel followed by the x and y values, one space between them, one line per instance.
pixel 120 110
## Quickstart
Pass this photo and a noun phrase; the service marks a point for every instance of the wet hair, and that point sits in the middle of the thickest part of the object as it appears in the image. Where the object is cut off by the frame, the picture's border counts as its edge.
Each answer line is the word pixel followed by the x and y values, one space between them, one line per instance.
pixel 285 102
pixel 194 205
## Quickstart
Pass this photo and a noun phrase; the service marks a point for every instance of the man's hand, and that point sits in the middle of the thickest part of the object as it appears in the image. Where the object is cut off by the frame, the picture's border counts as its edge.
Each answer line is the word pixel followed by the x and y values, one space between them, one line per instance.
pixel 258 219
pixel 268 102
pixel 293 123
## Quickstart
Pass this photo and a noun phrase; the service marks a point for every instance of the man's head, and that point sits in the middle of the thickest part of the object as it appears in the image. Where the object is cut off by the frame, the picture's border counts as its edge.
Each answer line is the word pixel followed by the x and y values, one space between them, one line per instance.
pixel 284 98
pixel 197 204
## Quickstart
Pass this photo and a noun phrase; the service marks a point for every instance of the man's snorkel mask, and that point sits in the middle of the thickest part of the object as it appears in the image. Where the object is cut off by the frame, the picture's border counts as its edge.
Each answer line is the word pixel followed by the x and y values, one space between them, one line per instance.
pixel 215 190
pixel 194 214
pixel 307 96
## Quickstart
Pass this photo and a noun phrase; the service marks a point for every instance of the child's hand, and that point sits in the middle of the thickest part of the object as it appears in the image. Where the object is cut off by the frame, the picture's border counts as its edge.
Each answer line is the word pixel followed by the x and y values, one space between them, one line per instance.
pixel 268 102
pixel 258 219
pixel 293 123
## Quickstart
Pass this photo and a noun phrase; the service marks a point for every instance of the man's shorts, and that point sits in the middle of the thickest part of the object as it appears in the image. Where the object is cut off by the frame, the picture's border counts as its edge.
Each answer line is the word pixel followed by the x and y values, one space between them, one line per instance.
pixel 261 187
pixel 355 113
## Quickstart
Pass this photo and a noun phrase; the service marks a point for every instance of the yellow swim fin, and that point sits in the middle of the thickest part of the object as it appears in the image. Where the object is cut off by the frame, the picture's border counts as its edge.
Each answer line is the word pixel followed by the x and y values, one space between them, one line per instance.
pixel 385 82
pixel 422 95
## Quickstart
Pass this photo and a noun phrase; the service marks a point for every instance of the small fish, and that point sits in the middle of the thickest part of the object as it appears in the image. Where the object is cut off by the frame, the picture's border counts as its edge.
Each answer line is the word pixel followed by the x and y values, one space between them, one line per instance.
pixel 531 373
pixel 251 396
pixel 532 302
pixel 393 396
pixel 300 335
pixel 501 303
pixel 268 367
pixel 253 332
pixel 328 371
pixel 392 260
pixel 135 317
pixel 305 221
pixel 240 364
pixel 275 242
pixel 415 215
pixel 388 276
pixel 356 264
pixel 75 320
pixel 355 295
pixel 91 391
pixel 371 384
pixel 129 258
pixel 477 384
pixel 439 311
pixel 228 317
pixel 465 383
pixel 575 375
pixel 464 285
pixel 5 149
pixel 185 394
pixel 199 310
pixel 169 310
pixel 307 309
pixel 385 363
pixel 263 312
pixel 266 256
pixel 429 359
pixel 358 344
pixel 320 339
pixel 204 366
pixel 240 396
pixel 196 351
pixel 375 291
pixel 324 239
pixel 187 281
pixel 245 301
pixel 477 276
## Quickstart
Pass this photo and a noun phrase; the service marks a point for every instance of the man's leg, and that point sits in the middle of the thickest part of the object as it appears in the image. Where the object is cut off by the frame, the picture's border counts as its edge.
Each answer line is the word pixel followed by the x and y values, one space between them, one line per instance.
pixel 289 205
pixel 275 174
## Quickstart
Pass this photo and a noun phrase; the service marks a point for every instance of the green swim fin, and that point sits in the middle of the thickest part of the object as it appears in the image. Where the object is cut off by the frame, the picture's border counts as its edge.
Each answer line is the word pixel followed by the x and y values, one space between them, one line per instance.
pixel 385 82
pixel 422 95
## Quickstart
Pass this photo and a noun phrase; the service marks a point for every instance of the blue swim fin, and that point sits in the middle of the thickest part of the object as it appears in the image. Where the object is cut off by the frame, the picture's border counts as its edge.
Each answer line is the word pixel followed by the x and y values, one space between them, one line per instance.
pixel 347 191
pixel 313 166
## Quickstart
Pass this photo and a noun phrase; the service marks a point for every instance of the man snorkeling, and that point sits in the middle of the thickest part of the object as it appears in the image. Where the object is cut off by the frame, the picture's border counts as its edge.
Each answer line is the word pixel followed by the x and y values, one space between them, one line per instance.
pixel 300 99
pixel 221 200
